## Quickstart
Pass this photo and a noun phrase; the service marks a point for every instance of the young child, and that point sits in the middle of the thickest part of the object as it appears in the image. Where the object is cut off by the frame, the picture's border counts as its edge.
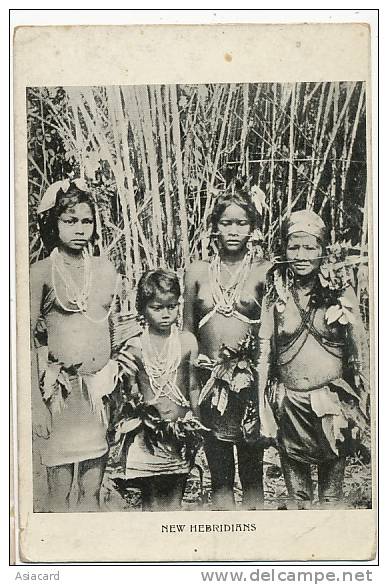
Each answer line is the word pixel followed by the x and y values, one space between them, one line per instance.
pixel 72 296
pixel 160 432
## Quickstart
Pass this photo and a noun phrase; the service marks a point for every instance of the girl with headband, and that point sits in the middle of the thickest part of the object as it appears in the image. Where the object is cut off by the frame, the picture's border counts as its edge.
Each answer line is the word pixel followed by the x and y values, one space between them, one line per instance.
pixel 311 332
pixel 72 295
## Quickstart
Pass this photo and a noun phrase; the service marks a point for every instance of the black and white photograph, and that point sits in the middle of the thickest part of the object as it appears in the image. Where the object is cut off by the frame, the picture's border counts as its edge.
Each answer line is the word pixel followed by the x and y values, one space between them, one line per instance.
pixel 199 297
pixel 195 294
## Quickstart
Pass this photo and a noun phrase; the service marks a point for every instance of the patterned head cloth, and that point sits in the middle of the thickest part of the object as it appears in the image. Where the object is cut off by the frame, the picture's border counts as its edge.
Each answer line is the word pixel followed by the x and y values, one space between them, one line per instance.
pixel 50 195
pixel 307 222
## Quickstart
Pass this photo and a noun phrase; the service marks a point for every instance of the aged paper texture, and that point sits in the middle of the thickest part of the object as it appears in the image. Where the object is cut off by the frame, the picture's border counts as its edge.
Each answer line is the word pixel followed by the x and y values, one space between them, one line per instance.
pixel 231 64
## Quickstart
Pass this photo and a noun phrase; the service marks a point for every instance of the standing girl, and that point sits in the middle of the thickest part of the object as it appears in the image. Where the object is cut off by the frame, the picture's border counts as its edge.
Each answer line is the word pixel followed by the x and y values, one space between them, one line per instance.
pixel 222 308
pixel 160 433
pixel 72 294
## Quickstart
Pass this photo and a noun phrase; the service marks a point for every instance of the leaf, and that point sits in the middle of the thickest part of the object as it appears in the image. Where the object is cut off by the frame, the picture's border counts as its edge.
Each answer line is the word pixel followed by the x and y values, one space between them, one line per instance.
pixel 346 317
pixel 208 387
pixel 222 401
pixel 258 198
pixel 333 314
pixel 128 426
pixel 323 280
pixel 346 302
pixel 241 380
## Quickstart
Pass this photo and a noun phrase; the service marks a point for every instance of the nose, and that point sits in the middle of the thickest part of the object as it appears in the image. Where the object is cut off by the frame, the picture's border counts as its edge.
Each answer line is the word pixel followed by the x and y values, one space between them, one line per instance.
pixel 299 255
pixel 79 229
pixel 165 313
pixel 233 229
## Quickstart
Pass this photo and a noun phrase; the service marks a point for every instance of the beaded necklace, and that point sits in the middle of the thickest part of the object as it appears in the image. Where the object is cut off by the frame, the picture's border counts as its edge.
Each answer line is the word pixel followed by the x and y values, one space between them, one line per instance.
pixel 226 298
pixel 75 295
pixel 162 367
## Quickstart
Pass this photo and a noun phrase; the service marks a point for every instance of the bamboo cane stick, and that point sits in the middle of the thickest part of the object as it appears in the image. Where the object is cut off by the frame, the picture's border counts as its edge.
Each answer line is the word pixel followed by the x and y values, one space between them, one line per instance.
pixel 178 158
pixel 291 151
pixel 165 166
pixel 329 145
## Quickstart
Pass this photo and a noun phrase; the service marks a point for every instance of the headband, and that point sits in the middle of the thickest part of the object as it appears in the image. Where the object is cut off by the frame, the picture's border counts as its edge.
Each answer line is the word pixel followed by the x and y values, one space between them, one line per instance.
pixel 307 222
pixel 49 198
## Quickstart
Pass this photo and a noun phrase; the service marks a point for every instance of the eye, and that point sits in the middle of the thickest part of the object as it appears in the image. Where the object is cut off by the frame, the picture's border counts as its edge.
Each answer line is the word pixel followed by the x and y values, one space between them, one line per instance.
pixel 225 223
pixel 88 221
pixel 172 307
pixel 243 223
pixel 69 221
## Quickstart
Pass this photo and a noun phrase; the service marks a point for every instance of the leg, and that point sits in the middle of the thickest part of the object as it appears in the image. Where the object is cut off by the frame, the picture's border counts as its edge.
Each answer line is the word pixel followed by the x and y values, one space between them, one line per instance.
pixel 297 477
pixel 250 467
pixel 170 491
pixel 59 480
pixel 220 458
pixel 90 476
pixel 149 494
pixel 330 483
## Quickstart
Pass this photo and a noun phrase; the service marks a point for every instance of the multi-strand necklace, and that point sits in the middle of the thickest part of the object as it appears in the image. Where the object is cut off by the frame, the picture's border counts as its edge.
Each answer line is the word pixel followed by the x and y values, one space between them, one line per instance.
pixel 226 297
pixel 162 367
pixel 75 295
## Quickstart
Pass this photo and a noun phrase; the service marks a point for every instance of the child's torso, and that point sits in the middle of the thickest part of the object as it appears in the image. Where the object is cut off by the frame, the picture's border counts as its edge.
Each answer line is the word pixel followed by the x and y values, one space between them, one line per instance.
pixel 168 403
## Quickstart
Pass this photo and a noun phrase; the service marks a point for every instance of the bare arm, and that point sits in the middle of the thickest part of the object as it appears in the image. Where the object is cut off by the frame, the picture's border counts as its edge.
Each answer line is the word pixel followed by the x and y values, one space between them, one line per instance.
pixel 40 413
pixel 359 346
pixel 268 426
pixel 193 380
pixel 190 292
pixel 266 335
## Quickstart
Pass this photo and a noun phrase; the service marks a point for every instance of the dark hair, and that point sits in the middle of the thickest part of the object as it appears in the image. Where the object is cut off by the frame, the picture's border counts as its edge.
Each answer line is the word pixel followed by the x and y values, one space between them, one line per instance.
pixel 152 282
pixel 237 197
pixel 48 221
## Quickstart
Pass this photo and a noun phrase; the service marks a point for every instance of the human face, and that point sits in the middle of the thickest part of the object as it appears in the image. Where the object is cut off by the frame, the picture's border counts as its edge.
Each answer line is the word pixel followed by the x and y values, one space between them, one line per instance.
pixel 75 227
pixel 303 251
pixel 234 229
pixel 162 311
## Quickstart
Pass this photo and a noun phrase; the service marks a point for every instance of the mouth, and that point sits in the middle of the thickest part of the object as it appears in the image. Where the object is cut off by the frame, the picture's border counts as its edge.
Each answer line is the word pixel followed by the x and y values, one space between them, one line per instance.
pixel 233 242
pixel 302 267
pixel 79 242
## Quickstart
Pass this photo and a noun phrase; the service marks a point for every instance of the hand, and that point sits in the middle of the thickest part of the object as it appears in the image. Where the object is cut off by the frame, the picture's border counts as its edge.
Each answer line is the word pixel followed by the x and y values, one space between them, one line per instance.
pixel 41 424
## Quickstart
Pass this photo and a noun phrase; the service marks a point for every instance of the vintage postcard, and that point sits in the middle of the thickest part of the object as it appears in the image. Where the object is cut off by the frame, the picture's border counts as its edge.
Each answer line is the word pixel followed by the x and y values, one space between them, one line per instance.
pixel 194 293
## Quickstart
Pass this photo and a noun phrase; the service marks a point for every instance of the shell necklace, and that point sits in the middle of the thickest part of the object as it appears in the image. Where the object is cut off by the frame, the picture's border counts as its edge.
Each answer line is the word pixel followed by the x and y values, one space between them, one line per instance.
pixel 75 295
pixel 227 297
pixel 162 367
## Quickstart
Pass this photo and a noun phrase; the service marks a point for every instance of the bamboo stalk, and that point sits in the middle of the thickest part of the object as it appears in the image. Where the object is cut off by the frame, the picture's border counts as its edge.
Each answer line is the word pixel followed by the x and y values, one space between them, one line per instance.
pixel 170 193
pixel 43 138
pixel 364 235
pixel 178 159
pixel 314 150
pixel 272 168
pixel 165 165
pixel 101 140
pixel 291 151
pixel 329 145
pixel 157 229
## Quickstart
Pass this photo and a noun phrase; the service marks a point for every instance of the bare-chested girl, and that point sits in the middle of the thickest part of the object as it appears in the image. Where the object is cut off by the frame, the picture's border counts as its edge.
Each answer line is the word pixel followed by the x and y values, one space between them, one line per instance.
pixel 162 358
pixel 222 307
pixel 71 296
